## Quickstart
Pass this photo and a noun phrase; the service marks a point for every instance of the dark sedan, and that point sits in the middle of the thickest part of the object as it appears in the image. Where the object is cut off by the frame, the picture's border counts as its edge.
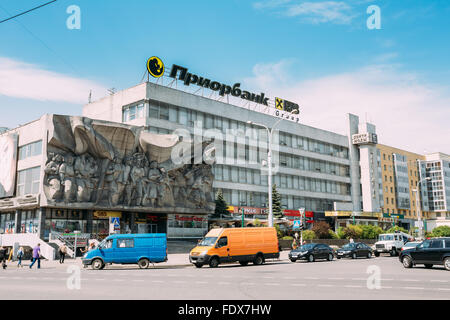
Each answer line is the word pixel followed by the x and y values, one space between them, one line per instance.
pixel 312 251
pixel 355 250
pixel 430 252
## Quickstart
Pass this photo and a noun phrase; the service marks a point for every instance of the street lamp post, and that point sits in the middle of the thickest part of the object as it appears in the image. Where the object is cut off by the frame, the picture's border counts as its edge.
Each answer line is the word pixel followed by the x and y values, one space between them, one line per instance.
pixel 419 217
pixel 269 162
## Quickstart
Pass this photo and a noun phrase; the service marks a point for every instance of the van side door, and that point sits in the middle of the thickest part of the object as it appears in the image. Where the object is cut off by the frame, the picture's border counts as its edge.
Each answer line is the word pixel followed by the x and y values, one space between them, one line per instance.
pixel 106 251
pixel 124 251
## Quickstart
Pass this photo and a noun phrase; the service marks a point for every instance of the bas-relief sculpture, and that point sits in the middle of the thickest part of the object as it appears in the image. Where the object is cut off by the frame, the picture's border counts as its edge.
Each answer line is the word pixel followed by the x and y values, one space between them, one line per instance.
pixel 92 163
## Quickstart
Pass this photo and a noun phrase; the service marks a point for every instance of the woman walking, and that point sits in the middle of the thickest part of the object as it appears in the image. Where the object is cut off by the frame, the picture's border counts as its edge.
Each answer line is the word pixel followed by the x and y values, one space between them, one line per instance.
pixel 20 254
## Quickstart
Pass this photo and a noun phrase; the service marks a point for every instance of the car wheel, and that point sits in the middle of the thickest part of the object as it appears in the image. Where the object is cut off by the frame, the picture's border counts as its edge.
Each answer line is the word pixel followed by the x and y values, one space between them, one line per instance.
pixel 354 255
pixel 259 260
pixel 143 263
pixel 377 254
pixel 198 265
pixel 447 263
pixel 311 258
pixel 214 263
pixel 428 266
pixel 292 259
pixel 369 255
pixel 243 263
pixel 330 257
pixel 97 264
pixel 407 262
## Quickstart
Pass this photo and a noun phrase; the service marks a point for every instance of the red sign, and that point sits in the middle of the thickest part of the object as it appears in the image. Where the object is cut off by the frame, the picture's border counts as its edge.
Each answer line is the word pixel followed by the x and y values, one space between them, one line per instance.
pixel 189 218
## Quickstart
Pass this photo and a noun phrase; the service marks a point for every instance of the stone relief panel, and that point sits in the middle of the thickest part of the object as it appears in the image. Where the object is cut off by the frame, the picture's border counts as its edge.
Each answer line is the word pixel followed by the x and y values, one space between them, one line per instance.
pixel 93 163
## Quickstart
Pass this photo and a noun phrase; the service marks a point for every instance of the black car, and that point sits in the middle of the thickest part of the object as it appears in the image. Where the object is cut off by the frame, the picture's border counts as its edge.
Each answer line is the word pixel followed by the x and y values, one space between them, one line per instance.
pixel 430 252
pixel 354 250
pixel 311 252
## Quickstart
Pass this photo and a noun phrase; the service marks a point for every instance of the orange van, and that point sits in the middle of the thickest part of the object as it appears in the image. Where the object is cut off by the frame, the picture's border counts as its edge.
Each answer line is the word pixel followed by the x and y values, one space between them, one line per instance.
pixel 244 245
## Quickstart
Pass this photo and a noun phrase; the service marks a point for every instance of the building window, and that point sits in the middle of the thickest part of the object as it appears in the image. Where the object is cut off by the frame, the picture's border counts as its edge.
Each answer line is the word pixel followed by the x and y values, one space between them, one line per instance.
pixel 133 112
pixel 28 181
pixel 30 150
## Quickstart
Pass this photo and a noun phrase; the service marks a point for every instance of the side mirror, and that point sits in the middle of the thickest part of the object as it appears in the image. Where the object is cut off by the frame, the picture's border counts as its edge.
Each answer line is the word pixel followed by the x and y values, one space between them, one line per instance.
pixel 216 246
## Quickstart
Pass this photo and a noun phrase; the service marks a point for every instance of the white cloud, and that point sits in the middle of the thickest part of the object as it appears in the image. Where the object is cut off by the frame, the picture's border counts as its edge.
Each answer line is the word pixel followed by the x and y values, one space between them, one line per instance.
pixel 338 12
pixel 408 113
pixel 28 81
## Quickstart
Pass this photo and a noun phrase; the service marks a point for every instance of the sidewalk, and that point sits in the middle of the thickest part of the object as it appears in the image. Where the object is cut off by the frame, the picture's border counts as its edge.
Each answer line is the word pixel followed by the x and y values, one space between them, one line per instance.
pixel 174 260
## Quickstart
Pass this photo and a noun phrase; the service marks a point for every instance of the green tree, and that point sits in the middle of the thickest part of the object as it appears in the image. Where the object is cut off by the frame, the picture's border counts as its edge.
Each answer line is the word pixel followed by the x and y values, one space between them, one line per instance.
pixel 442 231
pixel 276 203
pixel 221 206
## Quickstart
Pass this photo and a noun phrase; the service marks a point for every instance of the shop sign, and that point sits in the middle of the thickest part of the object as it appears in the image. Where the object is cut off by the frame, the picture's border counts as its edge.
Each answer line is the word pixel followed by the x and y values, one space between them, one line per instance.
pixel 364 138
pixel 107 214
pixel 191 218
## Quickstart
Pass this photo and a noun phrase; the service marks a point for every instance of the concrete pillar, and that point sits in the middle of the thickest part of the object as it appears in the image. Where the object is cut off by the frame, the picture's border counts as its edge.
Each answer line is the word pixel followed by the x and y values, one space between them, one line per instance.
pixel 89 217
pixel 353 122
pixel 18 221
pixel 41 222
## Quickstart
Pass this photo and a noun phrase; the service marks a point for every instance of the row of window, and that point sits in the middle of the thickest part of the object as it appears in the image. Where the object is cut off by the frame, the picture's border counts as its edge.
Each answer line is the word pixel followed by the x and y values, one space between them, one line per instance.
pixel 187 117
pixel 259 200
pixel 132 112
pixel 254 177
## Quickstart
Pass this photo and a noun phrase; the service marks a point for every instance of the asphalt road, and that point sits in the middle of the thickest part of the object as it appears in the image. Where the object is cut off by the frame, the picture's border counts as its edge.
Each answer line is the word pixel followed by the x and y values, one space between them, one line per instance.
pixel 278 279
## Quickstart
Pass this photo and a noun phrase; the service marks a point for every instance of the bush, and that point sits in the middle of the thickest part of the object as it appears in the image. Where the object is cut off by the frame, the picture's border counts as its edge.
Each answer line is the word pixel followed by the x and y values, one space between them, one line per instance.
pixel 340 233
pixel 370 232
pixel 442 231
pixel 287 238
pixel 322 230
pixel 353 231
pixel 309 235
pixel 333 235
pixel 396 228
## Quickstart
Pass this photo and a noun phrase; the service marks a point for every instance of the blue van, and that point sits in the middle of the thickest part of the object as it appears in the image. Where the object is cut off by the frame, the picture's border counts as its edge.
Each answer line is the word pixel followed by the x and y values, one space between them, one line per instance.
pixel 141 249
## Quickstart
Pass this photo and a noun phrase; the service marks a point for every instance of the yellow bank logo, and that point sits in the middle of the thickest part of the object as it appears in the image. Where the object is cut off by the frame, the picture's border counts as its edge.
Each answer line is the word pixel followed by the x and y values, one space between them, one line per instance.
pixel 279 104
pixel 155 67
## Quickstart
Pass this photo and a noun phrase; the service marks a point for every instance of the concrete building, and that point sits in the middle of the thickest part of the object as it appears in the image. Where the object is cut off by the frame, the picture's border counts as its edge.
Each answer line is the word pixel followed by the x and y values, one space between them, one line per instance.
pixel 311 165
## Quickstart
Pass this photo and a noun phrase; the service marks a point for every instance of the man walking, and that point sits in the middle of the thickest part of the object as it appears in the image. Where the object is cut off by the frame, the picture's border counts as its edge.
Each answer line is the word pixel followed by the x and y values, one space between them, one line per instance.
pixel 36 256
pixel 62 253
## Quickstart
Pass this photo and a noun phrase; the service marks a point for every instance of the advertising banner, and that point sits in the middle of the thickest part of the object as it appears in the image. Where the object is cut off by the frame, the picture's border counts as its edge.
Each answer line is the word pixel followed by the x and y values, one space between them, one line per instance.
pixel 8 163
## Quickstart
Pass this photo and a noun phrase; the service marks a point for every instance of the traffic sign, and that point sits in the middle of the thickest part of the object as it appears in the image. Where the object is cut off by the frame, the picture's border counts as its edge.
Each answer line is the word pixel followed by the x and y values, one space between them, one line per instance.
pixel 297 224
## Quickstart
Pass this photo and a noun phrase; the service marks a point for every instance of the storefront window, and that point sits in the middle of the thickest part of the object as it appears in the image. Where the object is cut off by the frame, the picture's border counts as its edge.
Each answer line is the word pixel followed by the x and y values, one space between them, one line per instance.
pixel 180 226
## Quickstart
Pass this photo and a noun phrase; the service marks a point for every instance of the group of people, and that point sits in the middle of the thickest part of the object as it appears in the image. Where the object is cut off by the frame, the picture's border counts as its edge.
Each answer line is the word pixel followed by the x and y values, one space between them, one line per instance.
pixel 6 256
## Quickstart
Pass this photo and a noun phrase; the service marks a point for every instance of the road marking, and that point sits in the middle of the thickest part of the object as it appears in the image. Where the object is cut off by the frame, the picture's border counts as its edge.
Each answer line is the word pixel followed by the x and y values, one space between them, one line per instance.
pixel 157 281
pixel 410 280
pixel 272 284
pixel 178 281
pixel 412 288
pixel 223 283
pixel 248 283
pixel 298 284
pixel 311 278
pixel 445 281
pixel 267 277
pixel 325 285
pixel 444 289
pixel 288 278
pixel 353 286
pixel 138 280
pixel 202 282
pixel 99 279
pixel 335 278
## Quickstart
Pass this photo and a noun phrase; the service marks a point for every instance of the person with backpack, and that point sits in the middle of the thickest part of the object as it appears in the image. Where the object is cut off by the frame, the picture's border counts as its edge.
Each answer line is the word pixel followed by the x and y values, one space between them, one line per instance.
pixel 20 254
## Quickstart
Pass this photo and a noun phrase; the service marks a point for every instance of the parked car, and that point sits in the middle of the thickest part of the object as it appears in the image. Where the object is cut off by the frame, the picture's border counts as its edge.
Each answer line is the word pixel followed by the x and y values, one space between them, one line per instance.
pixel 312 251
pixel 141 249
pixel 241 245
pixel 391 243
pixel 410 245
pixel 355 250
pixel 431 252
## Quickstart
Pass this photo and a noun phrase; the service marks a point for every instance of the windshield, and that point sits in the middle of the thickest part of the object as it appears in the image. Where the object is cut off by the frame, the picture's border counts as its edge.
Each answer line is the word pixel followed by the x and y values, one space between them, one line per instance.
pixel 207 242
pixel 386 237
pixel 349 246
pixel 411 244
pixel 306 247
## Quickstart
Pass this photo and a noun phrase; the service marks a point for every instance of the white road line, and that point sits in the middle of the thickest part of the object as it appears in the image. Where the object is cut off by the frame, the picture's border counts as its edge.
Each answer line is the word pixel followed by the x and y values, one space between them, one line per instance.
pixel 178 281
pixel 268 277
pixel 223 283
pixel 99 279
pixel 288 278
pixel 157 281
pixel 311 278
pixel 248 283
pixel 325 285
pixel 336 278
pixel 138 280
pixel 354 286
pixel 298 284
pixel 412 288
pixel 359 279
pixel 201 282
pixel 272 284
pixel 410 280
pixel 443 289
pixel 444 281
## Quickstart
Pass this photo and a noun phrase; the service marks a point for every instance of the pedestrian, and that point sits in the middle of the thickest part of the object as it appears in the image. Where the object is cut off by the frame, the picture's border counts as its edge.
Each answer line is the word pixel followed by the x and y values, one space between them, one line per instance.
pixel 36 256
pixel 351 240
pixel 62 252
pixel 20 254
pixel 3 257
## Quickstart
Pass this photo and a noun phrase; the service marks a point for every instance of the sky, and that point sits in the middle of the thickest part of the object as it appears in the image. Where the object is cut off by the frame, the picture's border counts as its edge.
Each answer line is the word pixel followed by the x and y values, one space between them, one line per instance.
pixel 319 54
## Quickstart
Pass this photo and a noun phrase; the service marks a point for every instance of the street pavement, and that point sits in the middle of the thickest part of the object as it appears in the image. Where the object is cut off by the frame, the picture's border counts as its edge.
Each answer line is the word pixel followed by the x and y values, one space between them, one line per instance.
pixel 277 279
